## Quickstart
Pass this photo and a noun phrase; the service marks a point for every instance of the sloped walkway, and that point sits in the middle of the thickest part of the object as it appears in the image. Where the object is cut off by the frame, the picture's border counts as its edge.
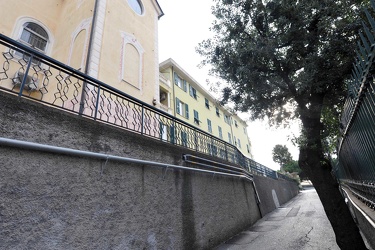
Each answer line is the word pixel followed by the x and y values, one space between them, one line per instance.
pixel 299 224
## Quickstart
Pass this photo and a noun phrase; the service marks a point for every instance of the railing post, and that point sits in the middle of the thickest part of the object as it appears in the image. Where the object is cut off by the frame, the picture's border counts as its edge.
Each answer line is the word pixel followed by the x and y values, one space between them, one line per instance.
pixel 25 74
pixel 226 152
pixel 196 140
pixel 142 119
pixel 97 103
pixel 83 97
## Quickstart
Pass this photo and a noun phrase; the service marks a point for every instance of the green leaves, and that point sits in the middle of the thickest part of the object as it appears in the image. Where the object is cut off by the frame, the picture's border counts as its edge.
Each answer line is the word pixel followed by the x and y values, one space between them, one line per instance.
pixel 281 155
pixel 274 52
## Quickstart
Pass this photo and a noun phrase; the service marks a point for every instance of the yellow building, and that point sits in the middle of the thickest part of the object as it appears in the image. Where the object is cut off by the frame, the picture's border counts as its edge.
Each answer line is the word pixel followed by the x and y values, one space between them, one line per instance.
pixel 113 41
pixel 186 99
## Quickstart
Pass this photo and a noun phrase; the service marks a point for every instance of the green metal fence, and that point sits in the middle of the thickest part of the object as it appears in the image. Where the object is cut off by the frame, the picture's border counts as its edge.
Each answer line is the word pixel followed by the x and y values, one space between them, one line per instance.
pixel 356 150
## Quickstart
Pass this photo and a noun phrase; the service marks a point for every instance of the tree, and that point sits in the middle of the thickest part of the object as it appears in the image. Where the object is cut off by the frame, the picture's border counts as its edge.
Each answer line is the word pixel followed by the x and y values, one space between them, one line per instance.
pixel 292 167
pixel 273 53
pixel 281 155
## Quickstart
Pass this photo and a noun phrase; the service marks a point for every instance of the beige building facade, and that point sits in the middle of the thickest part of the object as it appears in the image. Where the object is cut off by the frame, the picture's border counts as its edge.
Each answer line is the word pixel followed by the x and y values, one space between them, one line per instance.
pixel 114 41
pixel 184 98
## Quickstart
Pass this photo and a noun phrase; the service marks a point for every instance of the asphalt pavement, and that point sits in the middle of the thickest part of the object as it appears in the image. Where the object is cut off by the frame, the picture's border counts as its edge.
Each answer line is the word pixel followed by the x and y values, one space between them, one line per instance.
pixel 300 224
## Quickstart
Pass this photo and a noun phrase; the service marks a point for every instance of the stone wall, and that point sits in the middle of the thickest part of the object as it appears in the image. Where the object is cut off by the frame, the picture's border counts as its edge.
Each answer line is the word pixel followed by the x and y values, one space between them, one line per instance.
pixel 56 201
pixel 274 193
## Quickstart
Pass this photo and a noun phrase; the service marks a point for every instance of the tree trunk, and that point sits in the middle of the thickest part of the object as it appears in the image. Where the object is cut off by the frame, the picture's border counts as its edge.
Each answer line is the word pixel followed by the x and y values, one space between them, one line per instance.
pixel 318 169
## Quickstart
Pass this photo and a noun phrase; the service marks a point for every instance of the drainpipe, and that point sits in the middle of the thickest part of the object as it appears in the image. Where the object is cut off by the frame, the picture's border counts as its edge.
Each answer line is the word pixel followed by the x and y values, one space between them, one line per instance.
pixel 231 129
pixel 88 57
pixel 174 94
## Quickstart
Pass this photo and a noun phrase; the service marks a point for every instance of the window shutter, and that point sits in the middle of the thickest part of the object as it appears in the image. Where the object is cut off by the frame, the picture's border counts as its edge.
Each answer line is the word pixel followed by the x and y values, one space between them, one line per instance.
pixel 178 106
pixel 172 134
pixel 185 86
pixel 187 111
pixel 175 79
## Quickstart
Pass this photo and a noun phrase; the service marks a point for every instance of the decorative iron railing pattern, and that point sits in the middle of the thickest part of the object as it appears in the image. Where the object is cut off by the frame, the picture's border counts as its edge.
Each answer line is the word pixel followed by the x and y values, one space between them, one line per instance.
pixel 356 150
pixel 32 75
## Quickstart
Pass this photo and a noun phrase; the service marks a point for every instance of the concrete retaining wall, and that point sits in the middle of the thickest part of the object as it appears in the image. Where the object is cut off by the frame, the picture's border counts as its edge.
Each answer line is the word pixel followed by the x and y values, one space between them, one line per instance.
pixel 274 193
pixel 53 201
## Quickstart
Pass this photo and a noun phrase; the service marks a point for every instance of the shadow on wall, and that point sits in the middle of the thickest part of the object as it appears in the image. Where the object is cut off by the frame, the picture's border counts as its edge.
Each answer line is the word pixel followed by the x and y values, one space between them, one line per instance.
pixel 274 193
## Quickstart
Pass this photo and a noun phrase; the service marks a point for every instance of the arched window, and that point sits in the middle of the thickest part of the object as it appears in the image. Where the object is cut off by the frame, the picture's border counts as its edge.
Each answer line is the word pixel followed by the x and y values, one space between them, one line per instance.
pixel 136 5
pixel 34 36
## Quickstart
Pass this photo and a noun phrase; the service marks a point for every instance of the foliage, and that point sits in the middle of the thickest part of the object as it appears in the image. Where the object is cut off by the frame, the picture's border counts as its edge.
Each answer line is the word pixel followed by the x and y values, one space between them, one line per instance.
pixel 281 155
pixel 292 167
pixel 274 53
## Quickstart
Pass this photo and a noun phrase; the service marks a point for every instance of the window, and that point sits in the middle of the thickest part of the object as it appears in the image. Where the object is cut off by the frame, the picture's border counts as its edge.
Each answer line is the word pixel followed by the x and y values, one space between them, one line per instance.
pixel 227 119
pixel 229 138
pixel 171 134
pixel 248 148
pixel 239 143
pixel 217 112
pixel 163 132
pixel 180 82
pixel 193 92
pixel 209 124
pixel 184 138
pixel 235 141
pixel 212 149
pixel 196 117
pixel 220 132
pixel 207 103
pixel 222 153
pixel 33 35
pixel 136 6
pixel 182 108
pixel 244 130
pixel 235 124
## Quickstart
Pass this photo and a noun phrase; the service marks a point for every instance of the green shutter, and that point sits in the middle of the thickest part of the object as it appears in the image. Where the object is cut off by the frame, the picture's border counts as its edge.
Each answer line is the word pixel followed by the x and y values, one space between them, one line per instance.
pixel 185 86
pixel 187 111
pixel 178 106
pixel 175 78
pixel 172 134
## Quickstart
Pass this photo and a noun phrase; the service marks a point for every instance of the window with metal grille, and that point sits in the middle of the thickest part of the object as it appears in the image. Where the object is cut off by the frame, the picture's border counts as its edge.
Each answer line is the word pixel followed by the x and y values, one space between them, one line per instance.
pixel 34 36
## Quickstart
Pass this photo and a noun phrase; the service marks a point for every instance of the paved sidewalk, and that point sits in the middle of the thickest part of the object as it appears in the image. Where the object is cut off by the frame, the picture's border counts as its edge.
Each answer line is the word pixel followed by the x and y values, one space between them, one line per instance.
pixel 299 224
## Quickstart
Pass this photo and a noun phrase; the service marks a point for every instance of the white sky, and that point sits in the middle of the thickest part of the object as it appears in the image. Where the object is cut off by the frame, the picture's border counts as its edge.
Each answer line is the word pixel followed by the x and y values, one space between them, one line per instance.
pixel 183 26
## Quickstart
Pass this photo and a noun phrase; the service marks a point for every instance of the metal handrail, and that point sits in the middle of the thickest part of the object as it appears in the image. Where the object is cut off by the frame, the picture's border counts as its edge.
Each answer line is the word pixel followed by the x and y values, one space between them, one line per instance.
pixel 102 93
pixel 107 157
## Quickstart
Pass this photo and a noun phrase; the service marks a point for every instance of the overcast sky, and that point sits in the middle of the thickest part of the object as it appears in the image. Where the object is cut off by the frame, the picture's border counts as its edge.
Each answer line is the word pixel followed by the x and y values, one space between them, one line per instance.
pixel 183 26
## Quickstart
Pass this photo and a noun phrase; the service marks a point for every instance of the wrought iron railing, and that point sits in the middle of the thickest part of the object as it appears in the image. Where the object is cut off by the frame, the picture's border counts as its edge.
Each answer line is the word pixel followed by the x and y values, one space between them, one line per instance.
pixel 356 151
pixel 33 75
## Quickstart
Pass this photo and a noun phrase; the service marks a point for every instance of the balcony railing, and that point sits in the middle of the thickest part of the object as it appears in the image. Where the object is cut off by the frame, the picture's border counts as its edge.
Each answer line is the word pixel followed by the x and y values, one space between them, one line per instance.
pixel 33 75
